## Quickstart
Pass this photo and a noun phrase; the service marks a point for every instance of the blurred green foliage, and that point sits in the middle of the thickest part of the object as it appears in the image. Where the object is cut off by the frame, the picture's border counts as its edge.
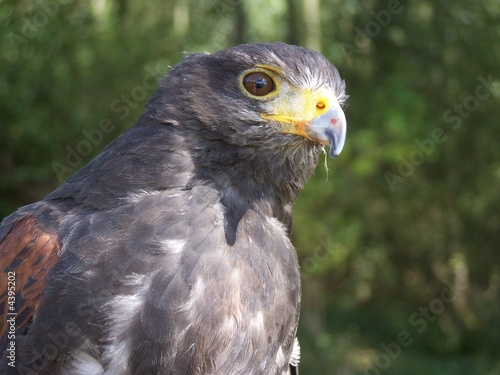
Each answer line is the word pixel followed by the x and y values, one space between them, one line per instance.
pixel 408 216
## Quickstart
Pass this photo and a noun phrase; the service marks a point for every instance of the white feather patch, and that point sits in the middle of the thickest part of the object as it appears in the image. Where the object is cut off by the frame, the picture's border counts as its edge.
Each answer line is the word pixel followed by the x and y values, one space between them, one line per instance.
pixel 124 310
pixel 83 364
pixel 280 358
pixel 173 246
pixel 136 197
pixel 257 322
pixel 295 357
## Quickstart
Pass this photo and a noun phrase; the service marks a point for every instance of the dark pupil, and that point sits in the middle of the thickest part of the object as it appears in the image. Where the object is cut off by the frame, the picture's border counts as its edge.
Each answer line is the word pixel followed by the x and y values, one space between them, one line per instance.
pixel 260 83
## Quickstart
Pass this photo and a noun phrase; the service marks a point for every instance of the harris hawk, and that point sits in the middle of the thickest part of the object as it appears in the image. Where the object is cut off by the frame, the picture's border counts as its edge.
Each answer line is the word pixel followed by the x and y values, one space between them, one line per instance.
pixel 169 252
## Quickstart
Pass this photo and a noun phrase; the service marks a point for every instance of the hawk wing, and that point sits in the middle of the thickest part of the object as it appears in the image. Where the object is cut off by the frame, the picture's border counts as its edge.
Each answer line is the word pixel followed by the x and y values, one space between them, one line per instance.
pixel 27 254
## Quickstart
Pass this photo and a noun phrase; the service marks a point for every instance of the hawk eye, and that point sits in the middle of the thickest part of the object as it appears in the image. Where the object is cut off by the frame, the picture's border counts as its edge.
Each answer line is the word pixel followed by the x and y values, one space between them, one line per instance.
pixel 258 83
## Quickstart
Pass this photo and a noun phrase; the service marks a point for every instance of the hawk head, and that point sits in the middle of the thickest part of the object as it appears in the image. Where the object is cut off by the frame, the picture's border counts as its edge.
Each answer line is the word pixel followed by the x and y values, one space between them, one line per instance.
pixel 276 97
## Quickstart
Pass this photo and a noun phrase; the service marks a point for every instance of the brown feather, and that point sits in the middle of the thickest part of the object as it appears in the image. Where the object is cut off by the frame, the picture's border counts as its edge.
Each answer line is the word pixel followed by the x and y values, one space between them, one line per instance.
pixel 29 253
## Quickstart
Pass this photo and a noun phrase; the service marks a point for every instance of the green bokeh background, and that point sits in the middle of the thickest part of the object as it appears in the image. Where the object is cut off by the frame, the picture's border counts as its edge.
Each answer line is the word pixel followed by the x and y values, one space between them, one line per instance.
pixel 398 238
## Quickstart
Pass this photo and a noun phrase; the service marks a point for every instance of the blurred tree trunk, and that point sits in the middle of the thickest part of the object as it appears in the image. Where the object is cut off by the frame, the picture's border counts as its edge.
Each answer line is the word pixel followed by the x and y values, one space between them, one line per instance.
pixel 122 8
pixel 292 22
pixel 180 21
pixel 240 34
pixel 312 24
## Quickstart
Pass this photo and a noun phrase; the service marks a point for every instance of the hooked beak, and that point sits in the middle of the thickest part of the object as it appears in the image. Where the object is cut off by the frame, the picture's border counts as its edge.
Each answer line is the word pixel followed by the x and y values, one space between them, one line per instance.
pixel 330 128
pixel 313 114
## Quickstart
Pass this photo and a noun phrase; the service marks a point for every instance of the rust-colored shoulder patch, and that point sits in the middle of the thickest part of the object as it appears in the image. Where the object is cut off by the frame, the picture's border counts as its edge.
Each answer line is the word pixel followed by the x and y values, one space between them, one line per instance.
pixel 27 255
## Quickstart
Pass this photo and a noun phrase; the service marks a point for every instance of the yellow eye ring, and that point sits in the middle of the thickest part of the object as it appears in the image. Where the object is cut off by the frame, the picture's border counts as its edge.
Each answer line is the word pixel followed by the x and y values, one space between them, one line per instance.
pixel 259 83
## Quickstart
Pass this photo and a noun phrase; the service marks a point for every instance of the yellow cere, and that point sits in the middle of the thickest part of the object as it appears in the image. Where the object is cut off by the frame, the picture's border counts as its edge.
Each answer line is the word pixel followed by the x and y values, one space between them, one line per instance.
pixel 295 108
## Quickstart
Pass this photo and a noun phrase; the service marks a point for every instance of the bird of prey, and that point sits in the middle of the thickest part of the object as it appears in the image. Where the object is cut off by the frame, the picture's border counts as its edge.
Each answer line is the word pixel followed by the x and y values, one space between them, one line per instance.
pixel 169 252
